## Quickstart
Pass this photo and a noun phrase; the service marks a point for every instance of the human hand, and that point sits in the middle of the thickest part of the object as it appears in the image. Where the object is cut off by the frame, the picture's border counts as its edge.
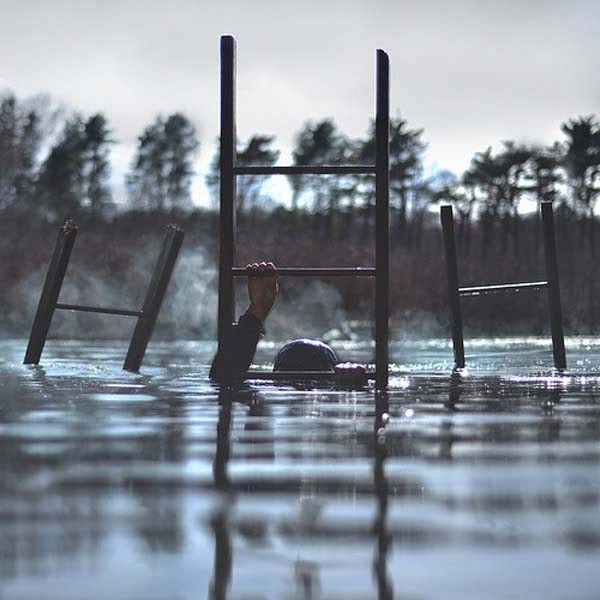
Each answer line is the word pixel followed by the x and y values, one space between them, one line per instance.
pixel 262 290
pixel 350 375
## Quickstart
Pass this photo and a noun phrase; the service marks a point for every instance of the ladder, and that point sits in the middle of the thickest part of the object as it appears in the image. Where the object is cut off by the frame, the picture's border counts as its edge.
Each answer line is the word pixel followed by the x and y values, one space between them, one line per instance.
pixel 146 317
pixel 230 171
pixel 551 284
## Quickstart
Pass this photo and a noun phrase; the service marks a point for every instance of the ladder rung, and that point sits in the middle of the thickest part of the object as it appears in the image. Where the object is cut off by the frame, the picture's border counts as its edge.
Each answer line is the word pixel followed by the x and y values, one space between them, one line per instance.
pixel 297 375
pixel 504 287
pixel 307 170
pixel 309 272
pixel 96 309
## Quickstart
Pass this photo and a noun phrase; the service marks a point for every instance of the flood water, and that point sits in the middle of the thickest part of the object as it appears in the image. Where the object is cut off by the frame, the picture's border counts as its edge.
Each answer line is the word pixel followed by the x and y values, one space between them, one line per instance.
pixel 157 487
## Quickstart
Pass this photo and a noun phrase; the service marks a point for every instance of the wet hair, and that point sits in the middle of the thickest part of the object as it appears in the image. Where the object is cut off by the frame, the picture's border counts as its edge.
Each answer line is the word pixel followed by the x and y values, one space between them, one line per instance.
pixel 305 355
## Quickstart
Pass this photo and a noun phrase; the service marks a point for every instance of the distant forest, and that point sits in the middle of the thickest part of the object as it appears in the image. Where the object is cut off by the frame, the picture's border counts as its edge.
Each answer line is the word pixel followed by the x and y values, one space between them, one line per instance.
pixel 54 167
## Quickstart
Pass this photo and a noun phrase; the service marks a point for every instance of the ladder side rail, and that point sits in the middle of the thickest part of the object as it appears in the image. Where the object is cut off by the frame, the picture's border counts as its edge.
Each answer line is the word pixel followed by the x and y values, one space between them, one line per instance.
pixel 447 219
pixel 50 292
pixel 154 297
pixel 227 191
pixel 556 322
pixel 382 222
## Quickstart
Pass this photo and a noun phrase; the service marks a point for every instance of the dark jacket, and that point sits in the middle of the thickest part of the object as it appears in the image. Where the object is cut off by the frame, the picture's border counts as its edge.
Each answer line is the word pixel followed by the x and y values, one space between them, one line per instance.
pixel 233 359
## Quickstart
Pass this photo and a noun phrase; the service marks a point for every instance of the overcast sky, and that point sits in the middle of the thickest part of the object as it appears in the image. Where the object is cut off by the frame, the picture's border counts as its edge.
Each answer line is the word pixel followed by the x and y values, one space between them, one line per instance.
pixel 470 73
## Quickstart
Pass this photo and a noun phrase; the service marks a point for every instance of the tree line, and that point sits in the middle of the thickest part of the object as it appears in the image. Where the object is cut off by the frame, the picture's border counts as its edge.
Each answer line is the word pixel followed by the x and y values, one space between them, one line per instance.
pixel 62 172
pixel 52 167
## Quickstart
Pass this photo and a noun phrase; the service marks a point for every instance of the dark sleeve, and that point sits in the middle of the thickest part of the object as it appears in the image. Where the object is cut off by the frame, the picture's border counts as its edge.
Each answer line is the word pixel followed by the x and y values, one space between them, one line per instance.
pixel 231 362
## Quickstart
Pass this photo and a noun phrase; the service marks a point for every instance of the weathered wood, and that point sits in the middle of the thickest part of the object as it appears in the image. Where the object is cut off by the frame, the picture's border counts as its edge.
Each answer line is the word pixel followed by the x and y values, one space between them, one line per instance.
pixel 382 219
pixel 229 171
pixel 447 219
pixel 481 290
pixel 309 272
pixel 96 309
pixel 556 325
pixel 307 170
pixel 227 195
pixel 50 292
pixel 154 297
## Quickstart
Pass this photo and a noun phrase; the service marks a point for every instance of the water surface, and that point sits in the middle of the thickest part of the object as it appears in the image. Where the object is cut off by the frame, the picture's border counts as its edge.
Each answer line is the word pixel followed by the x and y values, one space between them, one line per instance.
pixel 157 486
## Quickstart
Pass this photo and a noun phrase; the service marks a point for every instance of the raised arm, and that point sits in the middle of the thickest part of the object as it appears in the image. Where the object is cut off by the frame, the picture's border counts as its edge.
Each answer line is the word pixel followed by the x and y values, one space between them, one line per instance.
pixel 231 363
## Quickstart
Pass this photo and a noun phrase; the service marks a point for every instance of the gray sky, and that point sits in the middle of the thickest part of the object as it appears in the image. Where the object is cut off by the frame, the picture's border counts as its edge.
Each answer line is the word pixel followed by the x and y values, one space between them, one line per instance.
pixel 471 72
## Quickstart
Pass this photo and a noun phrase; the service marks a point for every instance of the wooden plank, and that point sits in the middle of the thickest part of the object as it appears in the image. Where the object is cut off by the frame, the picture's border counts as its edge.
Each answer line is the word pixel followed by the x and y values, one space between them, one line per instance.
pixel 501 287
pixel 382 219
pixel 307 170
pixel 96 309
pixel 227 195
pixel 447 219
pixel 50 292
pixel 556 324
pixel 154 297
pixel 310 272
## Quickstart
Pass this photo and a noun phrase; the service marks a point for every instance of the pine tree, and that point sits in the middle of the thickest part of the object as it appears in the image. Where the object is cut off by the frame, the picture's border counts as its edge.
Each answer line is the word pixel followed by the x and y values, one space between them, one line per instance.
pixel 256 152
pixel 20 138
pixel 406 170
pixel 76 171
pixel 96 162
pixel 61 185
pixel 160 176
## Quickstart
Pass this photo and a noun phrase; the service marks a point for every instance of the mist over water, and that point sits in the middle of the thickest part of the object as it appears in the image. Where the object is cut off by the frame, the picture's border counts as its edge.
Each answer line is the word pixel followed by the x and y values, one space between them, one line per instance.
pixel 310 308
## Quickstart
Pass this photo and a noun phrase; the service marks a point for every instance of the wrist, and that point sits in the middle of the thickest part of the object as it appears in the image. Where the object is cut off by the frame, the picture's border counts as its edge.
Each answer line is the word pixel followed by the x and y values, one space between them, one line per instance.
pixel 257 312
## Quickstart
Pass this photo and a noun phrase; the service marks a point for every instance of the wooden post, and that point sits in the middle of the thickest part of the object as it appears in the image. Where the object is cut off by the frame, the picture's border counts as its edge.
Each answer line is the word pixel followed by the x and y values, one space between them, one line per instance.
pixel 558 341
pixel 50 292
pixel 154 297
pixel 382 220
pixel 453 295
pixel 227 200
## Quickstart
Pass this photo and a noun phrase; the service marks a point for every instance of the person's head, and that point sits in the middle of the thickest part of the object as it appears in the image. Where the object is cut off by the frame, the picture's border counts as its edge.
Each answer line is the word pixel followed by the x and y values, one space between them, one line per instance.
pixel 305 355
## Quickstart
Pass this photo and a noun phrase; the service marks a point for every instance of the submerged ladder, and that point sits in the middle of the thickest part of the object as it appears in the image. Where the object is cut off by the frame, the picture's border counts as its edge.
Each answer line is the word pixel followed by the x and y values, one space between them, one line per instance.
pixel 455 292
pixel 146 316
pixel 229 172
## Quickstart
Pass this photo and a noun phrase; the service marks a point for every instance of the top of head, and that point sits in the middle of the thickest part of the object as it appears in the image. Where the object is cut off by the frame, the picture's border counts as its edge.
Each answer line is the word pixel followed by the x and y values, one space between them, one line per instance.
pixel 305 355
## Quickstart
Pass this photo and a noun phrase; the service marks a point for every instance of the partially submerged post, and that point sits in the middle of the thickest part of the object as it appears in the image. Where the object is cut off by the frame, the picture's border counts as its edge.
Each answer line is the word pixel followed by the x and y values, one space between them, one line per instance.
pixel 227 194
pixel 552 284
pixel 558 340
pixel 154 297
pixel 146 316
pixel 229 171
pixel 453 294
pixel 382 220
pixel 54 280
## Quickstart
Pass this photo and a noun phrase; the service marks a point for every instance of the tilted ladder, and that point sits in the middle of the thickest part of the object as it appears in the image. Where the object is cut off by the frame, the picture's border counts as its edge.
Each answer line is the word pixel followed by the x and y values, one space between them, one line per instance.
pixel 229 172
pixel 551 284
pixel 146 317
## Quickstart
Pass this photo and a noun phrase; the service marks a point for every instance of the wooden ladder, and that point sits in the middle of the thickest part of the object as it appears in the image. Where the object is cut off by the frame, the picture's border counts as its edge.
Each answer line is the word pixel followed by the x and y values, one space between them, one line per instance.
pixel 551 284
pixel 146 316
pixel 229 171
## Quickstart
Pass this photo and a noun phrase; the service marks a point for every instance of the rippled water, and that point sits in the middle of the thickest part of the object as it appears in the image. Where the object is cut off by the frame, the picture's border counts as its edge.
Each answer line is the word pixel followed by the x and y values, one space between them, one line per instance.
pixel 155 486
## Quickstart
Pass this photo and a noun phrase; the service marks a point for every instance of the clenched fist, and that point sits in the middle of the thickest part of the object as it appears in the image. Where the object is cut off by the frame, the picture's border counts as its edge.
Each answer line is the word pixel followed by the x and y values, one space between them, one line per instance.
pixel 262 289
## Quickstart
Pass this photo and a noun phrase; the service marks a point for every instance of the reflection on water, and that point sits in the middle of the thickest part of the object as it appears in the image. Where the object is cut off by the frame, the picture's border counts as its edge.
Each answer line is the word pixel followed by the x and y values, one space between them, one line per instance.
pixel 159 486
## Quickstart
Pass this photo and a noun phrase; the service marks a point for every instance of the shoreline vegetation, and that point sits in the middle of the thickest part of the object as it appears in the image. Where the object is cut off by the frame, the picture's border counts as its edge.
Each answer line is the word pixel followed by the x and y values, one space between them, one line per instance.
pixel 112 262
pixel 55 166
